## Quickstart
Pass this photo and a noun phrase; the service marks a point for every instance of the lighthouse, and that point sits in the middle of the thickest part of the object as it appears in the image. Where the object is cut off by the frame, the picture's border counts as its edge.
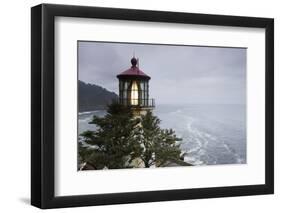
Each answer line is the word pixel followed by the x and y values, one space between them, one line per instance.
pixel 134 89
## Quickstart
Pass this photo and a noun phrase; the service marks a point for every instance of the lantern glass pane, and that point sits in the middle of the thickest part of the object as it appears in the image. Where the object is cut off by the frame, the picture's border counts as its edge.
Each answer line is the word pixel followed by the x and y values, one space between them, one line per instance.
pixel 134 94
pixel 142 84
pixel 125 85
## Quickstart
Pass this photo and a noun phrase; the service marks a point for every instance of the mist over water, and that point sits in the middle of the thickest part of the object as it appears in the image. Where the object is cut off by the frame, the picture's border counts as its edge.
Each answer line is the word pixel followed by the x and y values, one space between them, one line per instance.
pixel 211 133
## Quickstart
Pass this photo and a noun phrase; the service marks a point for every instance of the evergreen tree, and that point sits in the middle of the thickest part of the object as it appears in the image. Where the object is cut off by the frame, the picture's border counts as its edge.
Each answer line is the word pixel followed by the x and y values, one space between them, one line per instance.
pixel 161 146
pixel 114 144
pixel 121 138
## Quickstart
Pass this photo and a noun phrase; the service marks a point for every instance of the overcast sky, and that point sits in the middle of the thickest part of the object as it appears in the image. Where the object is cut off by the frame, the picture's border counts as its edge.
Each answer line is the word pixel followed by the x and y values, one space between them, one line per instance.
pixel 179 74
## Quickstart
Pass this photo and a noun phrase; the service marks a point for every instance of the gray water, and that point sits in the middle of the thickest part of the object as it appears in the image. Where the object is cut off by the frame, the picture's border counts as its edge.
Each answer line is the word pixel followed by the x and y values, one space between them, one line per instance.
pixel 211 134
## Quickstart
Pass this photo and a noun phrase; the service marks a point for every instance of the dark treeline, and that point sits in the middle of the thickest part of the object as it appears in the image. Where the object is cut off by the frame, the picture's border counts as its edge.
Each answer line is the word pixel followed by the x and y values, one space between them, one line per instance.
pixel 92 97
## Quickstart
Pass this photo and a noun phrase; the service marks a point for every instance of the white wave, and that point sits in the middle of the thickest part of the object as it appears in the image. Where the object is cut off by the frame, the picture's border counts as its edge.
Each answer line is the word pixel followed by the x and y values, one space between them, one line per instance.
pixel 233 152
pixel 192 160
pixel 88 112
pixel 84 120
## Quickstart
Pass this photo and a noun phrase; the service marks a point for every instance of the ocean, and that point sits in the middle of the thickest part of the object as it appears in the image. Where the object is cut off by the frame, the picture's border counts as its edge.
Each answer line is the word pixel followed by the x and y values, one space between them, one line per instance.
pixel 212 134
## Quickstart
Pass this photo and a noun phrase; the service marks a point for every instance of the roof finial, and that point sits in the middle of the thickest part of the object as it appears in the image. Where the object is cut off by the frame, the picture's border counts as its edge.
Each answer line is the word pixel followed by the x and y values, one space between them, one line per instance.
pixel 134 62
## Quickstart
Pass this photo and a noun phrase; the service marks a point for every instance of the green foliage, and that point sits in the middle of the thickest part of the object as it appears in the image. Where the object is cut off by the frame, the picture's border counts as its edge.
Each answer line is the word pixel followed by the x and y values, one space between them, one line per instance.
pixel 114 144
pixel 161 146
pixel 120 138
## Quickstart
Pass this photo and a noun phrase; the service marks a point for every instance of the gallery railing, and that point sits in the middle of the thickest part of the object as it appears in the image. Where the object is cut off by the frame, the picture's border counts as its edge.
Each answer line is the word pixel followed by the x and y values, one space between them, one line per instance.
pixel 138 102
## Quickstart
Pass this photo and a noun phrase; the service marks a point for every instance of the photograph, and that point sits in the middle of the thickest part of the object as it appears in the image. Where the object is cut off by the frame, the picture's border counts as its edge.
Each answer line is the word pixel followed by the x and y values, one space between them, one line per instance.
pixel 160 105
pixel 134 105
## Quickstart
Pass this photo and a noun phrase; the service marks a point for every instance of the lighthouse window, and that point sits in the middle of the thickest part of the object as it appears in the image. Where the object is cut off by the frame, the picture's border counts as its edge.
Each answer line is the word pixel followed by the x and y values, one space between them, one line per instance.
pixel 142 85
pixel 125 85
pixel 134 94
pixel 142 94
pixel 124 94
pixel 146 86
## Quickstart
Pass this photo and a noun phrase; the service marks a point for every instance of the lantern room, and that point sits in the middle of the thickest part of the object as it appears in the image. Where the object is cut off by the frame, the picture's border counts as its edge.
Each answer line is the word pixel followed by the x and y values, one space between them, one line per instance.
pixel 134 87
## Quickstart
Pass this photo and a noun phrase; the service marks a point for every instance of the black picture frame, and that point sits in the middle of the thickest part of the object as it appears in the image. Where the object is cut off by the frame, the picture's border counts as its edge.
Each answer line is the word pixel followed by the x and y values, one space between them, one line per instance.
pixel 43 111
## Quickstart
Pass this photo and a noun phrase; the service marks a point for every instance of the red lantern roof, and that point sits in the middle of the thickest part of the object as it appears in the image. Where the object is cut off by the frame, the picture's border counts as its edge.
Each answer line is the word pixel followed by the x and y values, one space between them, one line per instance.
pixel 134 71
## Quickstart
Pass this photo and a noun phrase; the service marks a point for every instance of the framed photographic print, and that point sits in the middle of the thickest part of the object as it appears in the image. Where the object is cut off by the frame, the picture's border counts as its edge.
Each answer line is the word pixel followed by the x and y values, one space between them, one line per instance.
pixel 139 106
